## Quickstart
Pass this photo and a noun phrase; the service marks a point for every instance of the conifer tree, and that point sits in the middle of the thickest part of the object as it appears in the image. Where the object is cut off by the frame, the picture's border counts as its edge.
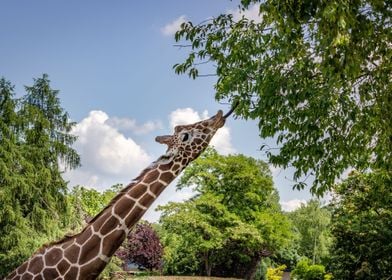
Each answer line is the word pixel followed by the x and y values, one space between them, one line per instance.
pixel 35 148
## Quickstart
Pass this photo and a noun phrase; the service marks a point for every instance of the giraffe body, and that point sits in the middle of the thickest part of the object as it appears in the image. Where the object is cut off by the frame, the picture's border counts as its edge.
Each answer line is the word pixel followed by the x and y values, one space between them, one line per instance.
pixel 85 255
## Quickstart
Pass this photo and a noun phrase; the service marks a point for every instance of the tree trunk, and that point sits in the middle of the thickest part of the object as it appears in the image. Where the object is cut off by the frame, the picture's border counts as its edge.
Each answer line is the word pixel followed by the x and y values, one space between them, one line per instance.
pixel 251 274
pixel 255 263
pixel 207 264
pixel 314 250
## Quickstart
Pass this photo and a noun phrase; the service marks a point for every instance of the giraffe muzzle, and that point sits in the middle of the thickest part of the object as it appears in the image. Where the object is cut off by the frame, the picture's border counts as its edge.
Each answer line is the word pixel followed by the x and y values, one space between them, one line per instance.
pixel 165 139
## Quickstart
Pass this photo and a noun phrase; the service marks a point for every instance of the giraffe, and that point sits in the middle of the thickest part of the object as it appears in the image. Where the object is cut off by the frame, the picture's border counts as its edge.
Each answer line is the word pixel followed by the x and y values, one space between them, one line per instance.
pixel 85 255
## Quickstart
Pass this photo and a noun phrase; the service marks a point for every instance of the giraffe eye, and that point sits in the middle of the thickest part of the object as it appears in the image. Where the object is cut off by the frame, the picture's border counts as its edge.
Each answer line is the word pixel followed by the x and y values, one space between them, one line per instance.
pixel 185 137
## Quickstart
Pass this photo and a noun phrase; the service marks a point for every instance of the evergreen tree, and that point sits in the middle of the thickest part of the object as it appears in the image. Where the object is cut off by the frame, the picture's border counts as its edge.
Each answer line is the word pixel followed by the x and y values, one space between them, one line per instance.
pixel 34 140
pixel 14 228
pixel 46 141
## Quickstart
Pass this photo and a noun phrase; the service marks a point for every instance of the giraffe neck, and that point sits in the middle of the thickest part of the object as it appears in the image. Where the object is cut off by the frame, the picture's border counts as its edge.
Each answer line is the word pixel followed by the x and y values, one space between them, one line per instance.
pixel 85 255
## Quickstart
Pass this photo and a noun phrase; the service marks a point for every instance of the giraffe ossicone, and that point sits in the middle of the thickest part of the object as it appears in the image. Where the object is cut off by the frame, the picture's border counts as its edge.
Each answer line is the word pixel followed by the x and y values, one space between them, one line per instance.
pixel 85 255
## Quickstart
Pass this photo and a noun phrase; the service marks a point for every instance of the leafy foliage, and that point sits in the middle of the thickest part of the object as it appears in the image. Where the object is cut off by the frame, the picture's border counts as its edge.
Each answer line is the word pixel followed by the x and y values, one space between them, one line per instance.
pixel 307 271
pixel 233 221
pixel 362 227
pixel 312 222
pixel 203 225
pixel 34 136
pixel 88 202
pixel 143 248
pixel 316 75
pixel 275 273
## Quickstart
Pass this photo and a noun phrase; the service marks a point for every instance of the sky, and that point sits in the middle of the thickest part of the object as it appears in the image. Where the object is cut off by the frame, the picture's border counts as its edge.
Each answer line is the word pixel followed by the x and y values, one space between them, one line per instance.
pixel 113 64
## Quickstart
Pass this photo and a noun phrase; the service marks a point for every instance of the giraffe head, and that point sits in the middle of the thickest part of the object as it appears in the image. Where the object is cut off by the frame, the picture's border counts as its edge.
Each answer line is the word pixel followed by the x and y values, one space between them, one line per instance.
pixel 188 141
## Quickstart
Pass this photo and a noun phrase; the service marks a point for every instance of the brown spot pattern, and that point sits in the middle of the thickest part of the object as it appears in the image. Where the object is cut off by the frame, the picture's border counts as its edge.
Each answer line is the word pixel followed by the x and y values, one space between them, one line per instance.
pixel 133 217
pixel 92 270
pixel 90 249
pixel 151 177
pixel 27 277
pixel 117 237
pixel 109 225
pixel 72 253
pixel 72 273
pixel 63 266
pixel 53 256
pixel 156 188
pixel 166 177
pixel 101 219
pixel 146 200
pixel 137 191
pixel 86 234
pixel 36 265
pixel 50 273
pixel 123 206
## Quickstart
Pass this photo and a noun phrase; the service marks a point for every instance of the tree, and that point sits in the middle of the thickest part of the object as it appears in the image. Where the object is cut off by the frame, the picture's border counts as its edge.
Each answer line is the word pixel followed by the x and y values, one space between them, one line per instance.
pixel 316 74
pixel 46 141
pixel 202 225
pixel 88 202
pixel 312 222
pixel 362 227
pixel 244 183
pixel 34 136
pixel 234 220
pixel 143 248
pixel 16 241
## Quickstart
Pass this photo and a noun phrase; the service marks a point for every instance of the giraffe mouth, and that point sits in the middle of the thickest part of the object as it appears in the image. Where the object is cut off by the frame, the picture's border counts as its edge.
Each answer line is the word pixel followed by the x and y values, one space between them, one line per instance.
pixel 218 120
pixel 167 157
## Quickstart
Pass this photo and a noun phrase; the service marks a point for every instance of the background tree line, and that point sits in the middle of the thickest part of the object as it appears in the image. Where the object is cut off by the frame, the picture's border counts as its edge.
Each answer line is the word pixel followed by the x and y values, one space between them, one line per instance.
pixel 233 226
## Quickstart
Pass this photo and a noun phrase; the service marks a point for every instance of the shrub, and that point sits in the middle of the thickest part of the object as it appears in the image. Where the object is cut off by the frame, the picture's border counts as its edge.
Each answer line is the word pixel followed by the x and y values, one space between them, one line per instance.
pixel 275 273
pixel 304 270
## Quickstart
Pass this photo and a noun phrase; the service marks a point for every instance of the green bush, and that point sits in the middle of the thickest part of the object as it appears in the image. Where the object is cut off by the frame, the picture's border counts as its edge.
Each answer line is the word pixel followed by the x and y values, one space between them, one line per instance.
pixel 304 270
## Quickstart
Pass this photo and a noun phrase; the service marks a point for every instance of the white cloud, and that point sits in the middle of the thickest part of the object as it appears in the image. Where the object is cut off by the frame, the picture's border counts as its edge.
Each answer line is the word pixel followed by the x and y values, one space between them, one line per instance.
pixel 221 140
pixel 275 170
pixel 125 124
pixel 172 27
pixel 252 13
pixel 292 204
pixel 108 157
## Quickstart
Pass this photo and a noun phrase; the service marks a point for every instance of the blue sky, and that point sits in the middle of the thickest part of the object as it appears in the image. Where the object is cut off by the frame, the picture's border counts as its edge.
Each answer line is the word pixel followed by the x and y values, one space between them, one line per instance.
pixel 112 62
